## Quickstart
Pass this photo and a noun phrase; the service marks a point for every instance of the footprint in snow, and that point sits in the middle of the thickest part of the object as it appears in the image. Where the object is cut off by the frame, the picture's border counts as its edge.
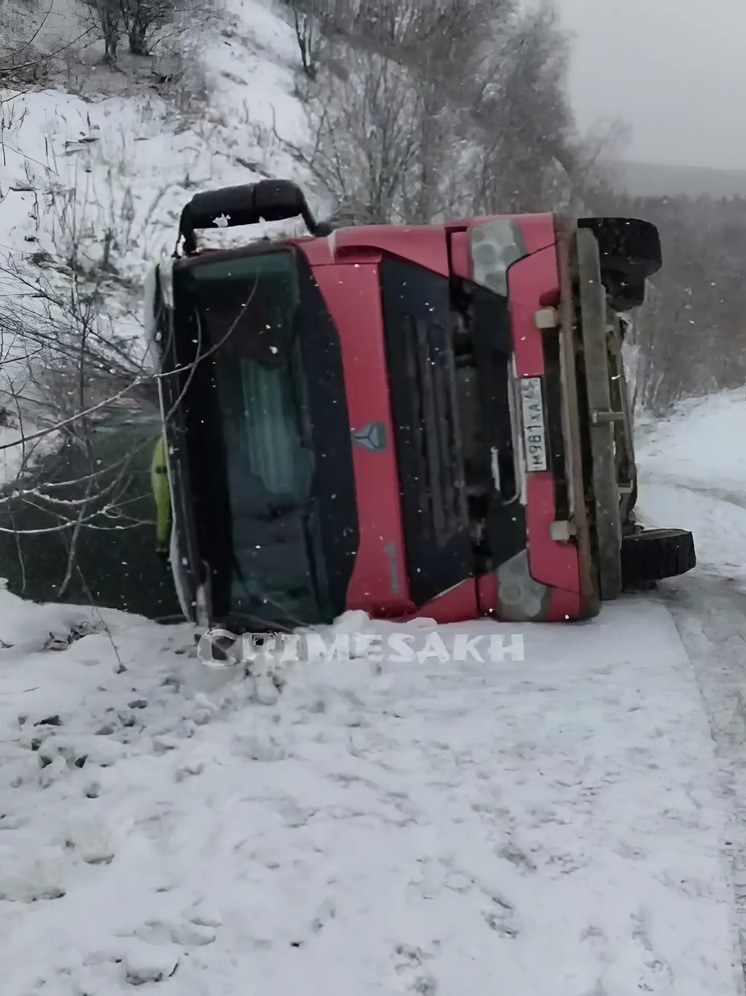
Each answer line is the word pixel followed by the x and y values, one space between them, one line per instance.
pixel 257 748
pixel 45 876
pixel 410 959
pixel 89 840
pixel 500 917
pixel 516 856
pixel 152 952
pixel 184 933
pixel 326 911
pixel 653 969
pixel 143 963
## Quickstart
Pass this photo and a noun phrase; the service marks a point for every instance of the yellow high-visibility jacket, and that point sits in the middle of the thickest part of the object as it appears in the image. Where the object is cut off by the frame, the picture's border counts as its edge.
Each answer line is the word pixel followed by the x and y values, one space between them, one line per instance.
pixel 161 493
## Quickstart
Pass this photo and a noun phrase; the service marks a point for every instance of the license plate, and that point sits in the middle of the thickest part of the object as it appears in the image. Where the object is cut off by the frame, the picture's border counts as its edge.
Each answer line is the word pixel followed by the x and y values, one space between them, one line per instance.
pixel 534 430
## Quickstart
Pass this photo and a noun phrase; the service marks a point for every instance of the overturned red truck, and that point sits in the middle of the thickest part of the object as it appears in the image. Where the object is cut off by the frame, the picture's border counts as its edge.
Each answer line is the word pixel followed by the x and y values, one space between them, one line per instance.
pixel 409 420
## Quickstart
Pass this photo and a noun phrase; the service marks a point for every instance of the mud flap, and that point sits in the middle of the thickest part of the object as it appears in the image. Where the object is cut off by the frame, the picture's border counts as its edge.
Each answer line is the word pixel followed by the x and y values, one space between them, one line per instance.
pixel 605 499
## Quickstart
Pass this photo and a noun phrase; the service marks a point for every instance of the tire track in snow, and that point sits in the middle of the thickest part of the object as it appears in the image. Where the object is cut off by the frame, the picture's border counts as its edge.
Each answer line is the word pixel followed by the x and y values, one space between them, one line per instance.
pixel 709 609
pixel 710 614
pixel 727 495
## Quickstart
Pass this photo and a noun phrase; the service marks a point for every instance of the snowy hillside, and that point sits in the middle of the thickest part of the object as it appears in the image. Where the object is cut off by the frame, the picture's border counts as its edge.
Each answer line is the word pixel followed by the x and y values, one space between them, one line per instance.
pixel 92 181
pixel 93 178
pixel 556 825
pixel 122 167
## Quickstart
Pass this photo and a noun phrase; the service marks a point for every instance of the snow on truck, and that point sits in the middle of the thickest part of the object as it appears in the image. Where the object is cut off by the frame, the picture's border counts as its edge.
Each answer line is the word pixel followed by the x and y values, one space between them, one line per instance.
pixel 410 420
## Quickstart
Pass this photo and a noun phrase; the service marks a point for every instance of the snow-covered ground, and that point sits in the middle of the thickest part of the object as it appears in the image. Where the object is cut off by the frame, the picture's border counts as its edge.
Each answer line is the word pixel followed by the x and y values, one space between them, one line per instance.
pixel 549 826
pixel 693 468
pixel 558 825
pixel 693 471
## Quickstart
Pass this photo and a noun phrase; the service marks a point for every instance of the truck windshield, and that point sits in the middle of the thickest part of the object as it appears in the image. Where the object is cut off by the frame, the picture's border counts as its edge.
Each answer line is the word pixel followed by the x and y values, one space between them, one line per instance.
pixel 255 432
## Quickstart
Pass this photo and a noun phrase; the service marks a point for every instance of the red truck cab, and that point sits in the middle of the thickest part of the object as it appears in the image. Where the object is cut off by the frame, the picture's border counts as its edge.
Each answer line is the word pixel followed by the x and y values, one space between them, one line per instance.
pixel 412 421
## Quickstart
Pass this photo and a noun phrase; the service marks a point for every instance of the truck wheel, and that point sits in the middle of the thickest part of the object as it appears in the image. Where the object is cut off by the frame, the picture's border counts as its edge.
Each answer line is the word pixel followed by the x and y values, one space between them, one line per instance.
pixel 628 245
pixel 654 554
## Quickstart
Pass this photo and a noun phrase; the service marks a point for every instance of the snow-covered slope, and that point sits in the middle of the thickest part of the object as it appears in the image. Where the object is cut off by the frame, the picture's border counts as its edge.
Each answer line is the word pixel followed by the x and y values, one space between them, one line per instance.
pixel 79 166
pixel 93 180
pixel 557 825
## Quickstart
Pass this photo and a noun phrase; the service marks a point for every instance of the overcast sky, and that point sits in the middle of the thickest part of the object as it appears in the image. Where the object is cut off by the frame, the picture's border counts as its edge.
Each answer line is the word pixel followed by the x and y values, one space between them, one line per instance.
pixel 673 69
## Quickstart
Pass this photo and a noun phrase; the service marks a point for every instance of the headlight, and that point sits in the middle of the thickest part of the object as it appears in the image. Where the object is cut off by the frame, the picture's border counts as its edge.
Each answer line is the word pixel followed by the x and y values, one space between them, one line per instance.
pixel 494 247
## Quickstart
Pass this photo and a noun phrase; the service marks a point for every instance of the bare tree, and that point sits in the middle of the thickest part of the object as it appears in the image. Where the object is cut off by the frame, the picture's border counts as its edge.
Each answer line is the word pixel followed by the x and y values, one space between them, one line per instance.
pixel 428 107
pixel 308 17
pixel 105 16
pixel 63 364
pixel 142 19
pixel 25 57
pixel 65 370
pixel 365 141
pixel 61 368
pixel 413 27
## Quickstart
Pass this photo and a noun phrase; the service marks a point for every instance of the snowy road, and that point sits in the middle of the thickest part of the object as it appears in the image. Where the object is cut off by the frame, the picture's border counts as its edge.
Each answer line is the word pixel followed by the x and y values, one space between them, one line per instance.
pixel 694 475
pixel 710 614
pixel 551 827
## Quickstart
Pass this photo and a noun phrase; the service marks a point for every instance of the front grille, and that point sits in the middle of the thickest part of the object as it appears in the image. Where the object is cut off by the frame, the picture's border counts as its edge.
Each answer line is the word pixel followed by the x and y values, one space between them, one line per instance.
pixel 421 368
pixel 431 357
